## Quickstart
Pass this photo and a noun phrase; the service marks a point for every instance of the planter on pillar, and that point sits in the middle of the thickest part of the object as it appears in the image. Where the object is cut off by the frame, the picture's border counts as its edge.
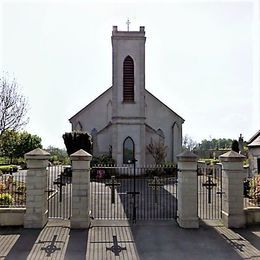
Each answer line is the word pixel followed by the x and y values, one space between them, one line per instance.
pixel 187 190
pixel 36 215
pixel 232 187
pixel 80 189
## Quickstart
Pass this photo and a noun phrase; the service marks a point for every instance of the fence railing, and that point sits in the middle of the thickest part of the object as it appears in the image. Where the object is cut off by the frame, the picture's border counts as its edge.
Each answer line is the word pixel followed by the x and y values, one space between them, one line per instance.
pixel 106 171
pixel 13 189
pixel 252 192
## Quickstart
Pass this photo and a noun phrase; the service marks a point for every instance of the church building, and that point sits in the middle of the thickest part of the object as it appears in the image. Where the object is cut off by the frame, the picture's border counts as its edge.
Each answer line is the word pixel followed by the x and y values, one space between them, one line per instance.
pixel 126 118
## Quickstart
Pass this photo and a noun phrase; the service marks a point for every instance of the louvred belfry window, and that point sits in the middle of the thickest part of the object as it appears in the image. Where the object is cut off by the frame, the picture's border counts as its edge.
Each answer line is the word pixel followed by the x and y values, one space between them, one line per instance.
pixel 128 80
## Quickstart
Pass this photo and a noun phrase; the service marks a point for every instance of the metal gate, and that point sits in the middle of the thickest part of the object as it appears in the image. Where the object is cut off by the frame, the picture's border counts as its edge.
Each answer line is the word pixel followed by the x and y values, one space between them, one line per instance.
pixel 133 193
pixel 209 191
pixel 59 189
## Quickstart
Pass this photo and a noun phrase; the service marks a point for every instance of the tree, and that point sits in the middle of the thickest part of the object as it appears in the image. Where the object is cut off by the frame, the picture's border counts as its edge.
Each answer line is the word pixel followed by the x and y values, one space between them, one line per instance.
pixel 8 143
pixel 188 143
pixel 26 143
pixel 158 151
pixel 76 140
pixel 15 144
pixel 13 106
pixel 58 155
pixel 235 146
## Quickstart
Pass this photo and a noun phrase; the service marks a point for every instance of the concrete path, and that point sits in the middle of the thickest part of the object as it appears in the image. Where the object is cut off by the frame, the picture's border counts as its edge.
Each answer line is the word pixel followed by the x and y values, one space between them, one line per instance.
pixel 117 240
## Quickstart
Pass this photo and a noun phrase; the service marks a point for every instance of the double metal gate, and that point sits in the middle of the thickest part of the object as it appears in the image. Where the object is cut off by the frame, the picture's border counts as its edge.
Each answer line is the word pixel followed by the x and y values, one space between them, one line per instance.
pixel 209 191
pixel 133 193
pixel 59 190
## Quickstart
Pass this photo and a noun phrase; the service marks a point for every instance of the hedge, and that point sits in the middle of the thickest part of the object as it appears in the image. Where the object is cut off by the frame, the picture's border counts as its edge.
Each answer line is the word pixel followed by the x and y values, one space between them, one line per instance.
pixel 8 168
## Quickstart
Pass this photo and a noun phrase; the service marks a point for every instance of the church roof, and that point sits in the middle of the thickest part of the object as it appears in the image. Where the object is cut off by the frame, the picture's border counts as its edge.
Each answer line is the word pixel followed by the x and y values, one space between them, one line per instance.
pixel 164 105
pixel 89 104
pixel 255 143
pixel 257 134
pixel 148 92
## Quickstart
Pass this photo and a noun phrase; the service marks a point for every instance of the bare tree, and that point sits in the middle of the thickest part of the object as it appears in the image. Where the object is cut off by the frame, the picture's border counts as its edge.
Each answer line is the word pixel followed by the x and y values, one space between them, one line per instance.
pixel 188 143
pixel 157 150
pixel 13 106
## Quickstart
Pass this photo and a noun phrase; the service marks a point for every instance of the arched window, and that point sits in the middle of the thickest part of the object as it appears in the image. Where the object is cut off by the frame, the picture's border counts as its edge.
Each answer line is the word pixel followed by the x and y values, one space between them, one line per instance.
pixel 128 150
pixel 128 80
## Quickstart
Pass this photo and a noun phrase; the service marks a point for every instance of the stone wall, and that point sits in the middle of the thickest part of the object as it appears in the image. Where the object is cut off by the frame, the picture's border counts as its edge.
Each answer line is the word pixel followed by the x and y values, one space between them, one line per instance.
pixel 12 216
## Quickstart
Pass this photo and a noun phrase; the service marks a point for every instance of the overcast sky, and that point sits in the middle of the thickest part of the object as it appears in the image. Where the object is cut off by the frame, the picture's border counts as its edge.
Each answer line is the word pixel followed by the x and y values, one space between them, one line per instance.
pixel 202 60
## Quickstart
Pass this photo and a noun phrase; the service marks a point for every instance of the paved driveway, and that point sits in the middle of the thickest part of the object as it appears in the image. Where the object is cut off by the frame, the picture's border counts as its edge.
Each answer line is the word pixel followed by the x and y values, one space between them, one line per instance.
pixel 152 240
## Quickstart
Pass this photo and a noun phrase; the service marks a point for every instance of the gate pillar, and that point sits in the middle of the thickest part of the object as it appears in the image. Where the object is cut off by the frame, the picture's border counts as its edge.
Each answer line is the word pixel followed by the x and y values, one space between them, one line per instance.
pixel 187 190
pixel 232 187
pixel 36 215
pixel 80 189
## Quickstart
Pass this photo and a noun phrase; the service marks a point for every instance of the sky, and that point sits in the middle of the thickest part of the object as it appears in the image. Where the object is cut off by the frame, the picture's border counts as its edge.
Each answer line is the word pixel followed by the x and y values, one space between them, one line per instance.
pixel 202 60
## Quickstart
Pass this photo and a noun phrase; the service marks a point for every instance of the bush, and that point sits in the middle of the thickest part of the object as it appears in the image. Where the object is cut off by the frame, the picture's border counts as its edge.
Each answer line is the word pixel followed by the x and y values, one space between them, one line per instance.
pixel 6 199
pixel 254 185
pixel 102 160
pixel 8 168
pixel 76 140
pixel 2 187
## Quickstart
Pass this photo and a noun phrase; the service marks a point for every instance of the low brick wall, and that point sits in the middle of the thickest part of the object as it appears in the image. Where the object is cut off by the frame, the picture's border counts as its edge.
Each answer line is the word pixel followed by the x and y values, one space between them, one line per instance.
pixel 252 215
pixel 12 216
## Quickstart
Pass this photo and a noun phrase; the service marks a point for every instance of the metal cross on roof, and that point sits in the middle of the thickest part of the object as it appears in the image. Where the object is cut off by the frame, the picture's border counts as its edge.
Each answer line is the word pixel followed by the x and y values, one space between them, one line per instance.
pixel 128 23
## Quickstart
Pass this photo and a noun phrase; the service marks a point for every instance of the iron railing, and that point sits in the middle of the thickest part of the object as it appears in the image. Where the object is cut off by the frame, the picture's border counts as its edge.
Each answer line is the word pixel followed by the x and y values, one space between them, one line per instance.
pixel 209 191
pixel 135 193
pixel 251 188
pixel 13 189
pixel 59 190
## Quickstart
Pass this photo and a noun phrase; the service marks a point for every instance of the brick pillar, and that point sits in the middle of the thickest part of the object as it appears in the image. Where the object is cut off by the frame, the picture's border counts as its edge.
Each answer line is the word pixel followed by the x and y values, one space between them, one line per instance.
pixel 36 214
pixel 232 187
pixel 80 189
pixel 187 190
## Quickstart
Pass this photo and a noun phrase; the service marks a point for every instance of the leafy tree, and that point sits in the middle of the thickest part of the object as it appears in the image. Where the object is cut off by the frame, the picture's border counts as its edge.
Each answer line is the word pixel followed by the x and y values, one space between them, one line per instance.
pixel 15 144
pixel 157 150
pixel 8 143
pixel 13 106
pixel 58 155
pixel 26 143
pixel 215 144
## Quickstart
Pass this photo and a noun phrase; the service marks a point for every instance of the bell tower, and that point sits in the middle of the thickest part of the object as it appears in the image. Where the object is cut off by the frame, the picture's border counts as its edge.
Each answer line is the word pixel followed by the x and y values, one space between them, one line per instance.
pixel 128 94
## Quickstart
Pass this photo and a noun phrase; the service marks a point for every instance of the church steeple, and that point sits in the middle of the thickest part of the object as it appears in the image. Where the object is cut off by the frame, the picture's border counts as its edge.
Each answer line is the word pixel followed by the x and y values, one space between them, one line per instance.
pixel 128 91
pixel 128 71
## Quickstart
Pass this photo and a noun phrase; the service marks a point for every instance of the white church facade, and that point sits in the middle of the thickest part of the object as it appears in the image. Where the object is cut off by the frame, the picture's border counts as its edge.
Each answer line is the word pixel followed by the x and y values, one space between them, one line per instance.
pixel 126 117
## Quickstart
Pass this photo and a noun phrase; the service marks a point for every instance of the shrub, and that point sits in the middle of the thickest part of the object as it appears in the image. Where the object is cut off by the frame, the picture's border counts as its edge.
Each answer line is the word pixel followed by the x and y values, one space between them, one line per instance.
pixel 77 140
pixel 102 160
pixel 8 168
pixel 2 187
pixel 6 199
pixel 21 189
pixel 254 185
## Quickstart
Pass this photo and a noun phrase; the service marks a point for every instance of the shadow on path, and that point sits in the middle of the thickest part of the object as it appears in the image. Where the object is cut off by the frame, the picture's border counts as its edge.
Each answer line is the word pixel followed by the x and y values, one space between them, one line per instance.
pixel 23 245
pixel 252 234
pixel 161 240
pixel 77 245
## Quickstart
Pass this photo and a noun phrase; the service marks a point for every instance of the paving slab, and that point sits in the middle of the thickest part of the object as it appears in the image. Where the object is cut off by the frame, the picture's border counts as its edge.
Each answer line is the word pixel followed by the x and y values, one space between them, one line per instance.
pixel 116 240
